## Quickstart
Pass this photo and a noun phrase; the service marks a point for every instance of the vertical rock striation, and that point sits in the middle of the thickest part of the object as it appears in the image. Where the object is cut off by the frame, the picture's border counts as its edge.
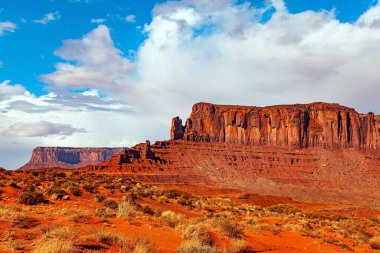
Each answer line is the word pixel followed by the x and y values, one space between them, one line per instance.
pixel 301 126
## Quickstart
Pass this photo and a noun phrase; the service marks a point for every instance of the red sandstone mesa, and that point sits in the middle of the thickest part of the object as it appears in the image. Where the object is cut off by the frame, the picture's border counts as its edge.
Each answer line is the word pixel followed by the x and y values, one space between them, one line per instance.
pixel 300 125
pixel 49 157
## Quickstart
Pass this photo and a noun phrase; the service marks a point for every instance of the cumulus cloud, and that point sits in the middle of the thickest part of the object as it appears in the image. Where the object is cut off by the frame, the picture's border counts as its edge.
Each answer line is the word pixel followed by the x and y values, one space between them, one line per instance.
pixel 98 63
pixel 48 17
pixel 7 27
pixel 41 129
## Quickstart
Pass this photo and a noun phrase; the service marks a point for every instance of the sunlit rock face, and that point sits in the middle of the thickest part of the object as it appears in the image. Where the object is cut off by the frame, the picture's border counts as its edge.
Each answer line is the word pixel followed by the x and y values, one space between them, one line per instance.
pixel 301 125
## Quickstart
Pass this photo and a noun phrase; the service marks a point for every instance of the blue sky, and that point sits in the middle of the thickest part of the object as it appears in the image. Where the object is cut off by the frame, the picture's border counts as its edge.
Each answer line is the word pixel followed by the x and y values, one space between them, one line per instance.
pixel 113 73
pixel 29 52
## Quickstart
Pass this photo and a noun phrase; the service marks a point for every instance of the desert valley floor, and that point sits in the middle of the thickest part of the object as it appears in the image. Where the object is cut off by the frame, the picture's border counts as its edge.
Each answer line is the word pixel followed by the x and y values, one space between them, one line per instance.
pixel 71 211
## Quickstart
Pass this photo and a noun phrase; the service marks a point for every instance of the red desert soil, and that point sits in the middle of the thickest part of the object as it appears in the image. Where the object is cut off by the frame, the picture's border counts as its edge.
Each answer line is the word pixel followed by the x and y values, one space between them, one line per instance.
pixel 267 226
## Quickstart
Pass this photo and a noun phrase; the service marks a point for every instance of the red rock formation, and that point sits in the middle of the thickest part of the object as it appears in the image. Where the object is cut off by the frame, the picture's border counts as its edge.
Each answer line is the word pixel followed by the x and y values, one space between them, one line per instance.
pixel 176 130
pixel 313 152
pixel 300 125
pixel 49 157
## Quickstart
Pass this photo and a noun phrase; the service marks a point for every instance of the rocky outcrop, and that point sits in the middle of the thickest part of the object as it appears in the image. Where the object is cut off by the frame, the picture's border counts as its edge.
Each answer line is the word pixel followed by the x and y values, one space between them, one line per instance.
pixel 318 152
pixel 176 130
pixel 300 125
pixel 63 157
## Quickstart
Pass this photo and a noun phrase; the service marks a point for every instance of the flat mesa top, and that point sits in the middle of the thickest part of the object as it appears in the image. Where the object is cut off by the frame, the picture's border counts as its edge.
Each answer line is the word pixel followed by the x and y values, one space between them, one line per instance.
pixel 314 105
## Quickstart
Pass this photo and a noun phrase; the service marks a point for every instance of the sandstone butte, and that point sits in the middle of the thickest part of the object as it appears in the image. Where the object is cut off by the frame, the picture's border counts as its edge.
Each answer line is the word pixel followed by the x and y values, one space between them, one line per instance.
pixel 315 152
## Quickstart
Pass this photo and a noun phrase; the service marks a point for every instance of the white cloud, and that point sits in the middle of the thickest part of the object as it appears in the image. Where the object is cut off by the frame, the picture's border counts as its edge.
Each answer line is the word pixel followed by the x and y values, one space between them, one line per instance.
pixel 51 16
pixel 91 93
pixel 98 64
pixel 7 27
pixel 98 20
pixel 7 91
pixel 130 18
pixel 41 129
pixel 370 18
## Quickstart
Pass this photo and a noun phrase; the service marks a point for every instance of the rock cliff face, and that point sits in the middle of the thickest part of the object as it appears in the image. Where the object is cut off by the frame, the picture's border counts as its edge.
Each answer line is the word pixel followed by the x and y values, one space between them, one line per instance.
pixel 318 152
pixel 300 125
pixel 62 157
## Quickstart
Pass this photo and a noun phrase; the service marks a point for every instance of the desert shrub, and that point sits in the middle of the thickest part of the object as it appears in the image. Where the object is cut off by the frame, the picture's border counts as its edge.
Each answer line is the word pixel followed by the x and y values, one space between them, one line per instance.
pixel 283 209
pixel 75 190
pixel 108 237
pixel 23 221
pixel 188 202
pixel 163 199
pixel 111 185
pixel 14 185
pixel 99 197
pixel 356 229
pixel 58 231
pixel 110 203
pixel 174 193
pixel 171 218
pixel 55 245
pixel 130 197
pixel 323 215
pixel 376 220
pixel 229 227
pixel 31 198
pixel 140 245
pixel 199 233
pixel 105 213
pixel 375 243
pixel 147 209
pixel 239 246
pixel 55 190
pixel 79 218
pixel 125 210
pixel 195 247
pixel 89 188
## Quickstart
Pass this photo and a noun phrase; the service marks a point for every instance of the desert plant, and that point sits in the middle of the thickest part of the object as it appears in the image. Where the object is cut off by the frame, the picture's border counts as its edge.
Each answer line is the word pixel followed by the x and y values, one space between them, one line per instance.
pixel 125 210
pixel 105 213
pixel 171 218
pixel 195 247
pixel 229 227
pixel 31 198
pixel 89 188
pixel 163 199
pixel 55 245
pixel 75 190
pixel 110 203
pixel 99 197
pixel 375 243
pixel 199 233
pixel 140 245
pixel 108 237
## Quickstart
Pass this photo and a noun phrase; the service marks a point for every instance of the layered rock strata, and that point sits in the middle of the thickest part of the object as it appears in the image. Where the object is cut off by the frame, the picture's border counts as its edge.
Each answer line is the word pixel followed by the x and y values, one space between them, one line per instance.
pixel 64 157
pixel 300 126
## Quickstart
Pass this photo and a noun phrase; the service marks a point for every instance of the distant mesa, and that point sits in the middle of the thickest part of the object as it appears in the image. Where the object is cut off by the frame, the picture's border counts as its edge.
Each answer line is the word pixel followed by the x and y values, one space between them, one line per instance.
pixel 68 158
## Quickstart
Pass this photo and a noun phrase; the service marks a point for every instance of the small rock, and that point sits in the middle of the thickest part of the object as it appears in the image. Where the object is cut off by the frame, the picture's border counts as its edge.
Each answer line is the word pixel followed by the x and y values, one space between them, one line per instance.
pixel 55 196
pixel 66 197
